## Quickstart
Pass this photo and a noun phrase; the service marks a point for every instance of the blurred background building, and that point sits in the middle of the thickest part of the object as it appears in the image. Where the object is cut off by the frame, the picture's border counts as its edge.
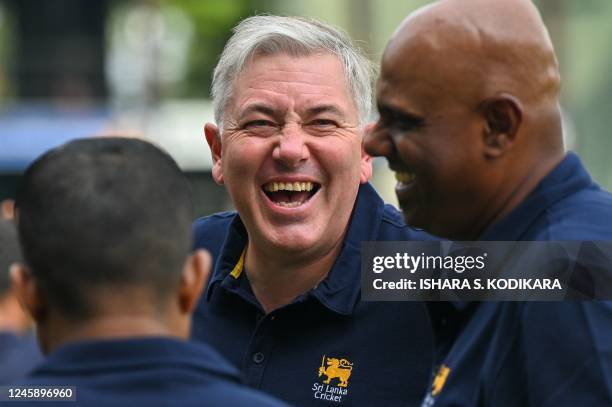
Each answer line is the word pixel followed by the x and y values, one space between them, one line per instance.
pixel 75 68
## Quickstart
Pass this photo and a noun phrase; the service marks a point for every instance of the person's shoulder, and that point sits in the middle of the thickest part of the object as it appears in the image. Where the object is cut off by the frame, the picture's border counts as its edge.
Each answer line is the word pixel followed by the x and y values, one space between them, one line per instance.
pixel 220 385
pixel 211 392
pixel 226 394
pixel 40 377
pixel 189 374
pixel 583 322
pixel 584 215
pixel 223 394
pixel 393 227
pixel 19 355
pixel 211 230
pixel 216 220
pixel 594 199
pixel 567 342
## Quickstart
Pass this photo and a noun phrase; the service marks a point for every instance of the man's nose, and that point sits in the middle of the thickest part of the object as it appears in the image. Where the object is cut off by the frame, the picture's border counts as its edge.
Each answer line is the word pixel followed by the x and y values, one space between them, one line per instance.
pixel 377 141
pixel 291 149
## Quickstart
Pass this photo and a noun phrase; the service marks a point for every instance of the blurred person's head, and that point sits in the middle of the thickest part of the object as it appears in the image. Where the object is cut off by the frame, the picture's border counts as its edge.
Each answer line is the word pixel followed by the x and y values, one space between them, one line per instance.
pixel 469 112
pixel 105 231
pixel 12 316
pixel 291 98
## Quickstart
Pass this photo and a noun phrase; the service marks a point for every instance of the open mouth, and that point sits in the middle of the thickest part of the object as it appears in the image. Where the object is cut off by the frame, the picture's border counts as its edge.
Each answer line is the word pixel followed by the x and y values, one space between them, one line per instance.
pixel 404 177
pixel 290 194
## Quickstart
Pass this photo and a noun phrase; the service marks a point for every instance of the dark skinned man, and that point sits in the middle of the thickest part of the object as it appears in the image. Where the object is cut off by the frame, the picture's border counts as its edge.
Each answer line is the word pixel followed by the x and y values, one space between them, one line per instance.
pixel 470 122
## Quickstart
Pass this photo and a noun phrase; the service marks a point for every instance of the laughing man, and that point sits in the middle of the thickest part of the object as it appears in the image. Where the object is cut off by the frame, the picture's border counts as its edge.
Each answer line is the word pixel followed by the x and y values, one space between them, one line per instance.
pixel 291 99
pixel 469 115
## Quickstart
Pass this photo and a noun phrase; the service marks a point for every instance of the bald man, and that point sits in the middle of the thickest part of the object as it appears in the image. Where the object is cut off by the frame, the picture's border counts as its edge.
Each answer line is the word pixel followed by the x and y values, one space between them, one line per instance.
pixel 470 122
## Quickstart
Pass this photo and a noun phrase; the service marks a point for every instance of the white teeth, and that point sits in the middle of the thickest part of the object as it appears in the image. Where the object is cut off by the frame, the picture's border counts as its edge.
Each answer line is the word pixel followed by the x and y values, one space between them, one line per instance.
pixel 404 177
pixel 288 186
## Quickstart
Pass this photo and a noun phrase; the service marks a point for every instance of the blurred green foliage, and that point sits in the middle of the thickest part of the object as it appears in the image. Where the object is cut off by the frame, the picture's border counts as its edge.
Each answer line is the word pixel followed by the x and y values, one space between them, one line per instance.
pixel 6 52
pixel 213 21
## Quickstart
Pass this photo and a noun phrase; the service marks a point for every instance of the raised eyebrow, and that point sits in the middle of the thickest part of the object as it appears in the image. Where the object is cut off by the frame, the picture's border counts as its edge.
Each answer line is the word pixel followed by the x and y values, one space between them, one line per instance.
pixel 258 108
pixel 313 111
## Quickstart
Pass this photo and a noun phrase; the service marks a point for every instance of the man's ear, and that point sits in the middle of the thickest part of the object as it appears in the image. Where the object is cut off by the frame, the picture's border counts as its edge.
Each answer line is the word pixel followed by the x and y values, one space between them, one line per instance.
pixel 7 209
pixel 27 291
pixel 366 159
pixel 193 280
pixel 503 116
pixel 366 166
pixel 213 137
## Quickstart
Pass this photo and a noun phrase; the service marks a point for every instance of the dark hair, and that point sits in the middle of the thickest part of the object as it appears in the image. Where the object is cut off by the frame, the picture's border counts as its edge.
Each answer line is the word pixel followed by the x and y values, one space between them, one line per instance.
pixel 9 253
pixel 104 213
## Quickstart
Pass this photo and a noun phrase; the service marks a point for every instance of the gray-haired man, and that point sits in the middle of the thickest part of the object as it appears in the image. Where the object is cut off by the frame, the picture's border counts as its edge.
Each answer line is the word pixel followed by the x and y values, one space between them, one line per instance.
pixel 291 100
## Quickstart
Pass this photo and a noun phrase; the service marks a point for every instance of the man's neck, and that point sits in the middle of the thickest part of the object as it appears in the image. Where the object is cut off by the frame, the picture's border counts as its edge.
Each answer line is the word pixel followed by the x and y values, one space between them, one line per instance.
pixel 60 331
pixel 278 279
pixel 523 188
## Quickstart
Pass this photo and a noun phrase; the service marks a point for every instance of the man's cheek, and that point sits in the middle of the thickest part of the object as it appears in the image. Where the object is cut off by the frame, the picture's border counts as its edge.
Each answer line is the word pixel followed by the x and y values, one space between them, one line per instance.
pixel 342 157
pixel 408 150
pixel 237 164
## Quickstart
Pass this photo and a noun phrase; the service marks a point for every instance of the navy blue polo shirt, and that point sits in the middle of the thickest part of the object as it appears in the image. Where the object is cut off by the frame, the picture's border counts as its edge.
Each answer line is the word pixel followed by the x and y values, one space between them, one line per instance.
pixel 326 348
pixel 142 371
pixel 532 353
pixel 18 356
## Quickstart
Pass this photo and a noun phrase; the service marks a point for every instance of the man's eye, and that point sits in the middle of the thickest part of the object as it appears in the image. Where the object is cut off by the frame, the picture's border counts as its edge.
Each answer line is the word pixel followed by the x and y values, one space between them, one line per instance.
pixel 259 123
pixel 323 122
pixel 399 124
pixel 397 121
pixel 407 125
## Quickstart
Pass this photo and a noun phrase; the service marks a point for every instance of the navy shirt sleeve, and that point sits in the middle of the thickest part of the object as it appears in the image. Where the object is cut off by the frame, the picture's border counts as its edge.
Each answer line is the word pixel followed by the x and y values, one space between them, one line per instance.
pixel 568 353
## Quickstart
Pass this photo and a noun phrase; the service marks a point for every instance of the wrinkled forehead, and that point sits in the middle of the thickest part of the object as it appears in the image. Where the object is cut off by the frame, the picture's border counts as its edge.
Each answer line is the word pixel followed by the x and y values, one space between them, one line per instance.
pixel 287 81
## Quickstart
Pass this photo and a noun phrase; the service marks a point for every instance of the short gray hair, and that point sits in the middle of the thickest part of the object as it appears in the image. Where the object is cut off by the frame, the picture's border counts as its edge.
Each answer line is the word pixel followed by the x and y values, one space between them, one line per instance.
pixel 295 36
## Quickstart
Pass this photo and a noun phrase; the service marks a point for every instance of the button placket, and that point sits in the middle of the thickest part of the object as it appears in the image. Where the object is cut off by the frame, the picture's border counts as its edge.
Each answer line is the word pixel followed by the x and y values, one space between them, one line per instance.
pixel 259 349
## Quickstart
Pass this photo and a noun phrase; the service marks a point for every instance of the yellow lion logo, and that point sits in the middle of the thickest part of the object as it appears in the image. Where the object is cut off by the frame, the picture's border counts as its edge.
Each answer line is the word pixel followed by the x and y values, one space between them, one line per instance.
pixel 336 368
